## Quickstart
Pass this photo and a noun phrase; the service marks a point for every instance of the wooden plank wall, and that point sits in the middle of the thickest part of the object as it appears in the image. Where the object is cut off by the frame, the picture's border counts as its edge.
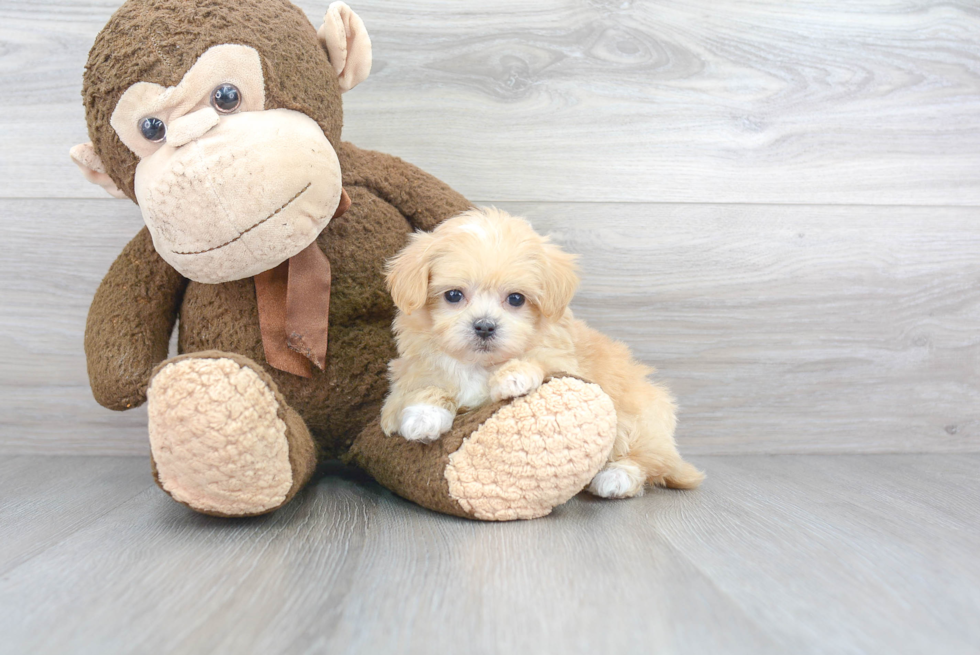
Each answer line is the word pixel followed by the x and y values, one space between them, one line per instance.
pixel 777 204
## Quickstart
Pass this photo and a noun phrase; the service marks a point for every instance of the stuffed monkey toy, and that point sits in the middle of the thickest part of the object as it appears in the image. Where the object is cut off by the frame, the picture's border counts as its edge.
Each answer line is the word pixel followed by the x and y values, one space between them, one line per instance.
pixel 266 237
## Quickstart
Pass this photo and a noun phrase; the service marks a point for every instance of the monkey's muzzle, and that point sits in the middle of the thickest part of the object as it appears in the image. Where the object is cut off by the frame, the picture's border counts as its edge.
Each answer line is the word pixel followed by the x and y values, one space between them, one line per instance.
pixel 243 197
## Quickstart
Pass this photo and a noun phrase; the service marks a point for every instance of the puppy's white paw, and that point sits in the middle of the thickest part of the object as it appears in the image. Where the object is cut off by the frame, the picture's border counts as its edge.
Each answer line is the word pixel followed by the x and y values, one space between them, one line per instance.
pixel 514 384
pixel 425 423
pixel 617 480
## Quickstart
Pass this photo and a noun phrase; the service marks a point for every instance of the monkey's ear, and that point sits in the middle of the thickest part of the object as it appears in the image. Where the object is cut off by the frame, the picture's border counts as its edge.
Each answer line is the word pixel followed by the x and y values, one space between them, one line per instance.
pixel 347 44
pixel 92 168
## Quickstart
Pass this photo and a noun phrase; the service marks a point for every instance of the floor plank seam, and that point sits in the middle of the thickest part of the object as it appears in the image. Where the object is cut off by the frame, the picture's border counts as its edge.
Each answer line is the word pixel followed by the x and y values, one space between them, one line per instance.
pixel 93 520
pixel 776 639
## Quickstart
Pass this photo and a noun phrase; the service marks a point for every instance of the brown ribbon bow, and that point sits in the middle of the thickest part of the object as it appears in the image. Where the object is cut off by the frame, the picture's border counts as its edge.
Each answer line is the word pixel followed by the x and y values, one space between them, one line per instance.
pixel 294 308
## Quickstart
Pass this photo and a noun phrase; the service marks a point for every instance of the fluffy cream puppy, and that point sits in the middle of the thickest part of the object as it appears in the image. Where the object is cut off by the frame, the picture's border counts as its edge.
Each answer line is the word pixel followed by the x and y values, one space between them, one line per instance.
pixel 483 316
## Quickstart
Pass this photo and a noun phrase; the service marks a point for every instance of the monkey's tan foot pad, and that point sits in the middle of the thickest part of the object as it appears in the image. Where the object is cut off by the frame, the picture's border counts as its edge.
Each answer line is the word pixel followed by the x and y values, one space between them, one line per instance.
pixel 535 453
pixel 219 437
pixel 509 460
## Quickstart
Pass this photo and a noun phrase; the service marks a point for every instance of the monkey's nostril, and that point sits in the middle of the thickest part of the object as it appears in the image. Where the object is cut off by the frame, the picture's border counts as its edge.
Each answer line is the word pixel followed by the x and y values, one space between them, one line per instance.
pixel 485 328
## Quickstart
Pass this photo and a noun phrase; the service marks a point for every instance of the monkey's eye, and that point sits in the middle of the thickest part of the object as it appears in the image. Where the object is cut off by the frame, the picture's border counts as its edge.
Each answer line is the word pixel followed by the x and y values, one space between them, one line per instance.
pixel 515 299
pixel 153 129
pixel 226 98
pixel 453 296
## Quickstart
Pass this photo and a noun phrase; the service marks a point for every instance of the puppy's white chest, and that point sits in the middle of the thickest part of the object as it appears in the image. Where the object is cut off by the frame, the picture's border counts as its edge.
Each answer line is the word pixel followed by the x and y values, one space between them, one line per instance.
pixel 474 389
pixel 472 383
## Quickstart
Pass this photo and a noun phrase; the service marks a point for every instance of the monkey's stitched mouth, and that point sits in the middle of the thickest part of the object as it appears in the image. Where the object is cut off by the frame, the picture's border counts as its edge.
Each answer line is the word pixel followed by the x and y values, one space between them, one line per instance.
pixel 228 243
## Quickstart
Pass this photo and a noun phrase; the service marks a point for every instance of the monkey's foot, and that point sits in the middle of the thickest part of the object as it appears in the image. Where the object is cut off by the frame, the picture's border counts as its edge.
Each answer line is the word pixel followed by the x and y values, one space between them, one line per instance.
pixel 512 460
pixel 222 439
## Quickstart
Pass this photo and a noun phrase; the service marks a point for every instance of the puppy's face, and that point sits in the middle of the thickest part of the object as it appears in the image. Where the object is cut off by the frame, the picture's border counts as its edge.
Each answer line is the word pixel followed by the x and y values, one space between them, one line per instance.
pixel 479 285
pixel 482 321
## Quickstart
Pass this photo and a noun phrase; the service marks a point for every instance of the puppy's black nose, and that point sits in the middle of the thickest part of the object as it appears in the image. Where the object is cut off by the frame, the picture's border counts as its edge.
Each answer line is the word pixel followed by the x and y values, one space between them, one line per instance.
pixel 484 328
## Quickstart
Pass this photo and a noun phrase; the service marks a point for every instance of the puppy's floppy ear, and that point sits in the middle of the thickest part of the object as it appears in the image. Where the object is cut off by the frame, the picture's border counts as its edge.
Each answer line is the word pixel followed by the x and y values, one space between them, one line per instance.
pixel 559 281
pixel 407 273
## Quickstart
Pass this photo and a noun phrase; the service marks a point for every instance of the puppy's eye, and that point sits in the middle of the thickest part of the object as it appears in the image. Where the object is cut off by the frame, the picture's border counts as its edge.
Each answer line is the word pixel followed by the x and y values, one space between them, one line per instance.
pixel 515 300
pixel 453 295
pixel 226 98
pixel 153 129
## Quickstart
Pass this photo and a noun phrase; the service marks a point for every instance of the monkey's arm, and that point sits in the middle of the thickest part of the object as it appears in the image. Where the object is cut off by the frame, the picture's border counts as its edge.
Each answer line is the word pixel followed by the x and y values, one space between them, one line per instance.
pixel 425 200
pixel 130 322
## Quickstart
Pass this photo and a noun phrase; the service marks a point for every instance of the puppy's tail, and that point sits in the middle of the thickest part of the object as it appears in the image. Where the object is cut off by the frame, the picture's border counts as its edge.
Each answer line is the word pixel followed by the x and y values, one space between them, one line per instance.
pixel 683 476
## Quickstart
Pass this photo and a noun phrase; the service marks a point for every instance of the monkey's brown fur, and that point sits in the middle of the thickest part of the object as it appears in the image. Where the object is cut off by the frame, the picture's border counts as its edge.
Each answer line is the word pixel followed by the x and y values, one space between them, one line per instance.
pixel 141 298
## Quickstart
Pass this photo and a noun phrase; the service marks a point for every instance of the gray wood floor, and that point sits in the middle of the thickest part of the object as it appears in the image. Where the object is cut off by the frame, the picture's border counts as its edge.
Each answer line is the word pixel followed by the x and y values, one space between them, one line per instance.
pixel 775 554
pixel 777 204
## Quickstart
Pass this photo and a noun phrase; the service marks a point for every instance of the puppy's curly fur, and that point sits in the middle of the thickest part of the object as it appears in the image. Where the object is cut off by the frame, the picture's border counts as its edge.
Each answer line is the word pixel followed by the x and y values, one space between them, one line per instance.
pixel 483 315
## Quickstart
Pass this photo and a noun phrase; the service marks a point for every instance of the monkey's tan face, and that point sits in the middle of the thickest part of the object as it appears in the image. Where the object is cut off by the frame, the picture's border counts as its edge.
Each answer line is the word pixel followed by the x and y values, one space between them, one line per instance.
pixel 227 188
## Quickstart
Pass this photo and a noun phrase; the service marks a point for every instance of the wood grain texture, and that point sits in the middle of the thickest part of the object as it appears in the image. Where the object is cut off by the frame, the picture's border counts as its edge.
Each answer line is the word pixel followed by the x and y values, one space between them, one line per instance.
pixel 780 328
pixel 813 289
pixel 600 100
pixel 53 255
pixel 780 554
pixel 44 500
